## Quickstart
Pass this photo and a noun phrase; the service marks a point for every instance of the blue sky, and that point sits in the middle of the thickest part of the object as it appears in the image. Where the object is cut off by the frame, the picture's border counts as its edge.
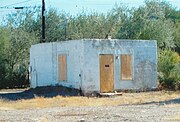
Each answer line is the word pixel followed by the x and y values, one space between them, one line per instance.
pixel 74 6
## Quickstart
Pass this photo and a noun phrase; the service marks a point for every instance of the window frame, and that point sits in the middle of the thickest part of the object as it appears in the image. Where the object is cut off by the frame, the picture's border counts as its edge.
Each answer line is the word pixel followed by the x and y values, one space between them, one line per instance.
pixel 60 78
pixel 131 68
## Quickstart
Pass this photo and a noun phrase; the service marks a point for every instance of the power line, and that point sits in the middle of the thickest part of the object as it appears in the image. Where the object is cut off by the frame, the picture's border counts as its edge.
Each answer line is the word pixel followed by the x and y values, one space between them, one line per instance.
pixel 17 7
pixel 16 3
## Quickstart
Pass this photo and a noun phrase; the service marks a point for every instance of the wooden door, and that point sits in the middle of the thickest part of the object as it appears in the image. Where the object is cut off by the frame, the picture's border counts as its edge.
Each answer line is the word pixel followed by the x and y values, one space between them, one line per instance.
pixel 106 73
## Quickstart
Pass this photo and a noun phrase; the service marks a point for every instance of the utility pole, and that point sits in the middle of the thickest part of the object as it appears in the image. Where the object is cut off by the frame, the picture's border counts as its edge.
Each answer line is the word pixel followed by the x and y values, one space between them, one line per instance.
pixel 43 22
pixel 65 29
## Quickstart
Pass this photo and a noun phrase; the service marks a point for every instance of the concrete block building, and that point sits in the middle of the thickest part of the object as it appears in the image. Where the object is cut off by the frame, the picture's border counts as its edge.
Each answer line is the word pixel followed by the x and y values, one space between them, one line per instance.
pixel 95 65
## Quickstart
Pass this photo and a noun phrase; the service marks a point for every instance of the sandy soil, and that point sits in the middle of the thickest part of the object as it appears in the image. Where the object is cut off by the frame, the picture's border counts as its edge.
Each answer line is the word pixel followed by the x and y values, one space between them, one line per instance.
pixel 52 105
pixel 128 113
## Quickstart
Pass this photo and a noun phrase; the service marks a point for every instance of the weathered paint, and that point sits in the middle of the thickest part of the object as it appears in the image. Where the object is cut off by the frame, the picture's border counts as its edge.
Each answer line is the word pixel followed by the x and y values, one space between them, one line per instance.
pixel 83 67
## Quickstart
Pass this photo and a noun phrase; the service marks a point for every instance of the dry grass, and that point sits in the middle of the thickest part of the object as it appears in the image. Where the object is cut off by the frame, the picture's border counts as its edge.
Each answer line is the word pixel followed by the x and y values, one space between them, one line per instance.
pixel 59 101
pixel 173 118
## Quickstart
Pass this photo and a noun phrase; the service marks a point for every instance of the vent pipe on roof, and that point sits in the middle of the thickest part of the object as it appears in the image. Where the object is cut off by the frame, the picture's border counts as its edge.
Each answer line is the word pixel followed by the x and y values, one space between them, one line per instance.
pixel 109 37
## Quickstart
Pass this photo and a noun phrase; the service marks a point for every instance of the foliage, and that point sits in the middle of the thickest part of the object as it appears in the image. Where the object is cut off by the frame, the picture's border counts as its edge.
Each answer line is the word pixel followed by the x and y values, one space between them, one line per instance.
pixel 3 43
pixel 149 22
pixel 168 67
pixel 156 20
pixel 16 40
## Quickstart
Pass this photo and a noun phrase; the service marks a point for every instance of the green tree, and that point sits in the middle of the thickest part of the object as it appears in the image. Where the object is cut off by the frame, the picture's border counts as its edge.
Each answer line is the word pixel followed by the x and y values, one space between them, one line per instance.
pixel 17 38
pixel 149 22
pixel 173 14
pixel 168 67
pixel 55 26
pixel 4 37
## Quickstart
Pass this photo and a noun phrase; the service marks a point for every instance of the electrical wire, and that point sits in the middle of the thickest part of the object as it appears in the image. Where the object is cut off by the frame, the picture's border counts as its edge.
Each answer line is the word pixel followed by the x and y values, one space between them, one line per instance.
pixel 17 7
pixel 15 3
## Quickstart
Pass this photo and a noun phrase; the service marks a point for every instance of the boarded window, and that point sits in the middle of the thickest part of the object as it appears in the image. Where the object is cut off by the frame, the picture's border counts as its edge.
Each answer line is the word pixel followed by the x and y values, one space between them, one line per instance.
pixel 62 67
pixel 126 67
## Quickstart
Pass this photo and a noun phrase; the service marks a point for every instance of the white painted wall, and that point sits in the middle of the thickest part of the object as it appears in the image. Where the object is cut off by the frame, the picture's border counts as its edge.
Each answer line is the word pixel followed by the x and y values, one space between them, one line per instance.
pixel 41 63
pixel 83 68
pixel 44 63
pixel 144 59
pixel 74 51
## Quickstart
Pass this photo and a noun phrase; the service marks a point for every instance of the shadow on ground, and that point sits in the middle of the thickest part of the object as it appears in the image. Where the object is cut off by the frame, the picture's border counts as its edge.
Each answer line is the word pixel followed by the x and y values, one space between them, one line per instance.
pixel 53 91
pixel 166 102
pixel 46 92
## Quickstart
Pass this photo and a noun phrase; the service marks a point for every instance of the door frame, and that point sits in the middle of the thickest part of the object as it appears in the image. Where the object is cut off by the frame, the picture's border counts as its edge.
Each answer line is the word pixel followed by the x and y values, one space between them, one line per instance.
pixel 113 81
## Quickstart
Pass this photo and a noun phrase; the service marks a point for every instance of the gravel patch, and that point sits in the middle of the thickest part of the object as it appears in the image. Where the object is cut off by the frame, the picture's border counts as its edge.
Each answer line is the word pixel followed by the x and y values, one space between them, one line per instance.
pixel 127 113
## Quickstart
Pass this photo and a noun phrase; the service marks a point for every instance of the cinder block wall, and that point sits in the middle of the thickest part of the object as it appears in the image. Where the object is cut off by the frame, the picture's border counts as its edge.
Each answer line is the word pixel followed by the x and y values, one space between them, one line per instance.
pixel 144 62
pixel 83 65
pixel 41 65
pixel 74 51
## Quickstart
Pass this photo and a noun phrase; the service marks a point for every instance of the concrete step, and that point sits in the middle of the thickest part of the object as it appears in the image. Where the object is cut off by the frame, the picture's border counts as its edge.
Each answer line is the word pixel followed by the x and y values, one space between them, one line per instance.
pixel 111 94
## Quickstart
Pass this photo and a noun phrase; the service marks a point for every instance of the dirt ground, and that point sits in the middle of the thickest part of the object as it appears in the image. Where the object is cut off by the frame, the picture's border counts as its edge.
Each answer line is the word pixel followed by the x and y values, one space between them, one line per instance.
pixel 59 104
pixel 128 113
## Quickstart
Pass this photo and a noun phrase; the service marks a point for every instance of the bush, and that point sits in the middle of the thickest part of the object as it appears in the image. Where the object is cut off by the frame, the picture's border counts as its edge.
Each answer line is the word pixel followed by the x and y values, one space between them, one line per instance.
pixel 15 79
pixel 176 75
pixel 168 68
